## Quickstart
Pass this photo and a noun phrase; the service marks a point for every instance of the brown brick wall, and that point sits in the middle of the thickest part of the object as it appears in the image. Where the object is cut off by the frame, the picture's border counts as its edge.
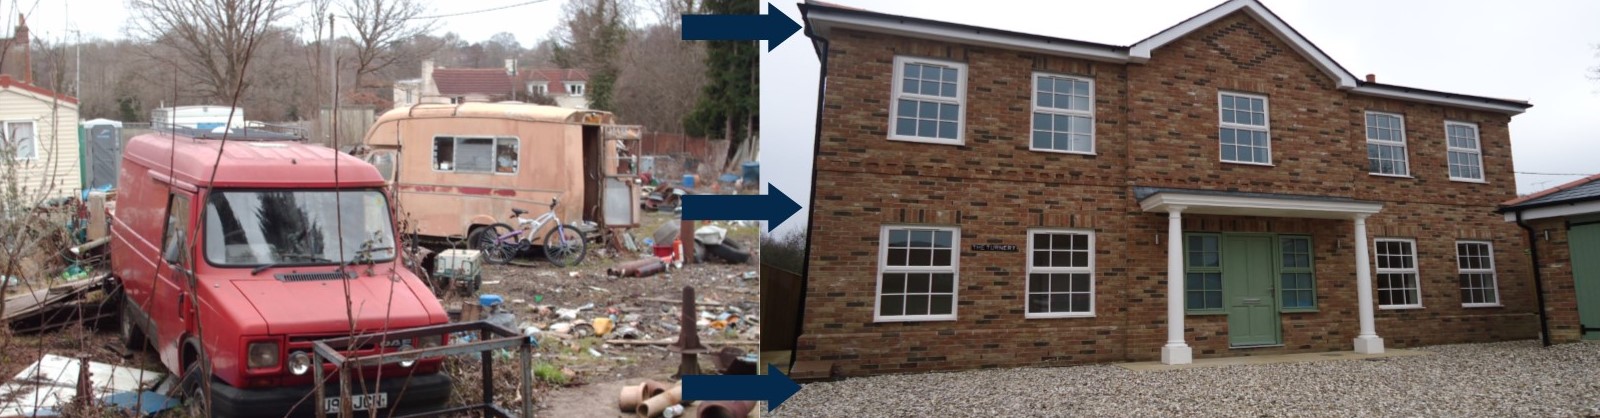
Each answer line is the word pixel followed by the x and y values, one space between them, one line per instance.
pixel 1555 269
pixel 1156 125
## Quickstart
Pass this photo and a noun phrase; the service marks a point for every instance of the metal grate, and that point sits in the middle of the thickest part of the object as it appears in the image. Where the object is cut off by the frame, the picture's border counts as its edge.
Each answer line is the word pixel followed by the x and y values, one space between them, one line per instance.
pixel 307 277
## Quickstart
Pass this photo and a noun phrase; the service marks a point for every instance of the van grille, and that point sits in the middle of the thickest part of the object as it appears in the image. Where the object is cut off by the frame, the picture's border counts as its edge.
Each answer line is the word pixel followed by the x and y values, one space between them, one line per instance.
pixel 308 277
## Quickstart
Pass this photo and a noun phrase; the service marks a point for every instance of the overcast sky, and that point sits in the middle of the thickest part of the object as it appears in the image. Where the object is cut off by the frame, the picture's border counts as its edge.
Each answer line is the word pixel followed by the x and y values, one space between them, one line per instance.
pixel 1534 50
pixel 106 19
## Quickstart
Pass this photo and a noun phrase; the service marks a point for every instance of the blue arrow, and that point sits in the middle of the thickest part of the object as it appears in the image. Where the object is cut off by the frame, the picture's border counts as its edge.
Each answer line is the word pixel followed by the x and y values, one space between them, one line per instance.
pixel 774 27
pixel 773 387
pixel 774 208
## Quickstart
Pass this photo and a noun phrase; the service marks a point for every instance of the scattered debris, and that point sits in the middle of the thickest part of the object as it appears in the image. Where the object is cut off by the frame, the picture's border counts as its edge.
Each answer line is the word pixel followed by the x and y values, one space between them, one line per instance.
pixel 725 409
pixel 84 300
pixel 46 386
pixel 688 344
pixel 655 405
pixel 638 268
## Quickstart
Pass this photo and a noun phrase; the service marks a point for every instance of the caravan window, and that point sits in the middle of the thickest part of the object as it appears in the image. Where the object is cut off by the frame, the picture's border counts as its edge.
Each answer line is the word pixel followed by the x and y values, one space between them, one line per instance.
pixel 505 152
pixel 475 155
pixel 444 153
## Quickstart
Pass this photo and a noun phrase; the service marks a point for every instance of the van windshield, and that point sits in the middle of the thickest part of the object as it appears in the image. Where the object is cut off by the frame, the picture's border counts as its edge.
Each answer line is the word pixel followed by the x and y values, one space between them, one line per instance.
pixel 297 227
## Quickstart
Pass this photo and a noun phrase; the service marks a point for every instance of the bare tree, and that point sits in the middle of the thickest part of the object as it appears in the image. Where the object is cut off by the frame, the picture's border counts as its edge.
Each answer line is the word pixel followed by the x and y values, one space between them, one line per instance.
pixel 670 12
pixel 379 26
pixel 209 39
pixel 661 78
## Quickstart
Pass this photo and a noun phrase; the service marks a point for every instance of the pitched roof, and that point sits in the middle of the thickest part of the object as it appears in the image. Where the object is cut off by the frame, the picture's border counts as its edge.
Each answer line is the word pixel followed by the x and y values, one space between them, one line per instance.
pixel 7 82
pixel 555 74
pixel 821 16
pixel 463 81
pixel 1580 190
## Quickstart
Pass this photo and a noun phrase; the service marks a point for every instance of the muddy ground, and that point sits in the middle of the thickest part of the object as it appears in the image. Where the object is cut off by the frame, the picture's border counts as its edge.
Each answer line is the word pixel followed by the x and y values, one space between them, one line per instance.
pixel 573 381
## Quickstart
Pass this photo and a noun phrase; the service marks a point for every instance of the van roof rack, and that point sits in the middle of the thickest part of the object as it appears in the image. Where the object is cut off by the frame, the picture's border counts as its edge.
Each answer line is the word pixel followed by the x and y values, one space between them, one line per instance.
pixel 236 134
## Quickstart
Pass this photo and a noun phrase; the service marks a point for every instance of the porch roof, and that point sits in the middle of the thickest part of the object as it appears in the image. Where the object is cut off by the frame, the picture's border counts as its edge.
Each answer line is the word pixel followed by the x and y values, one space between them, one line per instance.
pixel 1219 202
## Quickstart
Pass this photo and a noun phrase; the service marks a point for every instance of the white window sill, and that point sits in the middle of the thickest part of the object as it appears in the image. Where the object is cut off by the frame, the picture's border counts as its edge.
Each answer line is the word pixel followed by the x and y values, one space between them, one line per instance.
pixel 1056 151
pixel 1482 305
pixel 1399 307
pixel 935 141
pixel 1462 180
pixel 1058 315
pixel 1390 175
pixel 924 318
pixel 1249 163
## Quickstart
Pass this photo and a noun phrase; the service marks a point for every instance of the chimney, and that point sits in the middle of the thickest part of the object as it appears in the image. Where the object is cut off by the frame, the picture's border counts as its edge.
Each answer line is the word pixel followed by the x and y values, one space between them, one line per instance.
pixel 1372 78
pixel 27 53
pixel 511 66
pixel 427 89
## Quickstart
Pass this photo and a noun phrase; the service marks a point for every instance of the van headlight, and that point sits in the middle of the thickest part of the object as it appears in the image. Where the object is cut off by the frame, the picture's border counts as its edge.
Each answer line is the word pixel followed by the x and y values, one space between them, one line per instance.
pixel 262 354
pixel 299 363
pixel 409 360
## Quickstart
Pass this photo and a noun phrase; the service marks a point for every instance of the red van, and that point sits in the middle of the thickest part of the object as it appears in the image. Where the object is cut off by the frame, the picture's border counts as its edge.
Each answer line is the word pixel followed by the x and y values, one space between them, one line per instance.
pixel 232 265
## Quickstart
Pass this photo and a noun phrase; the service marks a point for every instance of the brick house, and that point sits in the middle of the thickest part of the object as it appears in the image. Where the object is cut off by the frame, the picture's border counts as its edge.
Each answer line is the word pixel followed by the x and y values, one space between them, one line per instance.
pixel 1563 223
pixel 986 198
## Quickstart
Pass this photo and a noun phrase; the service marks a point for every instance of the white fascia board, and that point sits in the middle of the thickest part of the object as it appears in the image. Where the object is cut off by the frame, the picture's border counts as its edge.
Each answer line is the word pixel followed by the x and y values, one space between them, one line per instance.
pixel 1581 208
pixel 1395 93
pixel 1258 206
pixel 822 21
pixel 1140 52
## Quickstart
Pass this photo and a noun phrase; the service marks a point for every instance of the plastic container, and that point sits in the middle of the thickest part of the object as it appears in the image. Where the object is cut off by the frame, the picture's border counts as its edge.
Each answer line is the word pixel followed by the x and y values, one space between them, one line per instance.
pixel 752 171
pixel 688 181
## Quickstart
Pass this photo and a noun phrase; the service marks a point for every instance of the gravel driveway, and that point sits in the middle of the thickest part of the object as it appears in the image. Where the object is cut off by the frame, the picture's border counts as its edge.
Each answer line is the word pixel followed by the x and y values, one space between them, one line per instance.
pixel 1499 379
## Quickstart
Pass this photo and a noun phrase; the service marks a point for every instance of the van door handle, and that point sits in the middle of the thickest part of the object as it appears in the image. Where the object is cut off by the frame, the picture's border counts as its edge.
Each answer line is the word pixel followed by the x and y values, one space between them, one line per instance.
pixel 181 308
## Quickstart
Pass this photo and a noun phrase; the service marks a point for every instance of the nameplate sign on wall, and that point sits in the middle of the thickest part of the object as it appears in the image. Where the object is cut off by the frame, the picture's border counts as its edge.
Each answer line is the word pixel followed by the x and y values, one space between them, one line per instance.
pixel 995 247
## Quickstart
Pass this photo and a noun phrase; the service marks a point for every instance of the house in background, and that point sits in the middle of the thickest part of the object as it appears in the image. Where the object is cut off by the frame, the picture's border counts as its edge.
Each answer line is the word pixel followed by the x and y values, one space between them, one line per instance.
pixel 1563 223
pixel 566 86
pixel 41 137
pixel 988 198
pixel 18 52
pixel 461 85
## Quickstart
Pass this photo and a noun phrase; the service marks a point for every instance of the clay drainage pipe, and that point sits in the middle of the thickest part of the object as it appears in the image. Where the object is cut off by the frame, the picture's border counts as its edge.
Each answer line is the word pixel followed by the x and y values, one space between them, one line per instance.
pixel 726 409
pixel 631 396
pixel 652 407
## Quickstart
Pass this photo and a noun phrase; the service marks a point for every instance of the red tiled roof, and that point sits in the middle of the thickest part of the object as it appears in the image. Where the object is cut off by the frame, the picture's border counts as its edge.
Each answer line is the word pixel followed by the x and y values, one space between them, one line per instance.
pixel 463 81
pixel 555 78
pixel 6 82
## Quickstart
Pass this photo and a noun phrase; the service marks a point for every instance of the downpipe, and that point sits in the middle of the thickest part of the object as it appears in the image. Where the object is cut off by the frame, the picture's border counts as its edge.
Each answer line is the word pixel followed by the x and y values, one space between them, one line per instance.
pixel 1538 279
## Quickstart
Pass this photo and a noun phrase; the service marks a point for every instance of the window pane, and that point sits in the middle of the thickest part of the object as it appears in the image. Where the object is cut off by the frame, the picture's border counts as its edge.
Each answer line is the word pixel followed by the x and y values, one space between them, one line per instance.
pixel 943 284
pixel 1213 300
pixel 929 88
pixel 897 257
pixel 894 283
pixel 905 126
pixel 891 305
pixel 947 130
pixel 1046 84
pixel 1080 282
pixel 1060 303
pixel 1038 283
pixel 916 304
pixel 917 283
pixel 941 258
pixel 899 238
pixel 941 305
pixel 950 75
pixel 1039 302
pixel 1080 302
pixel 920 257
pixel 1060 282
pixel 1041 139
pixel 907 108
pixel 1046 99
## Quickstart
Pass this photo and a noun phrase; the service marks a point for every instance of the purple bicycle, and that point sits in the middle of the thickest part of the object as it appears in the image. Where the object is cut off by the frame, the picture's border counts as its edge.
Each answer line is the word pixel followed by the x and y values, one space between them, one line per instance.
pixel 564 245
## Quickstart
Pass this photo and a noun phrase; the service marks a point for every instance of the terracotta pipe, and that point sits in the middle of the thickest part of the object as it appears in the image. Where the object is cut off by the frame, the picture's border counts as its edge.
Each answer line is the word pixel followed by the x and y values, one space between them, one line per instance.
pixel 638 268
pixel 726 409
pixel 630 397
pixel 652 407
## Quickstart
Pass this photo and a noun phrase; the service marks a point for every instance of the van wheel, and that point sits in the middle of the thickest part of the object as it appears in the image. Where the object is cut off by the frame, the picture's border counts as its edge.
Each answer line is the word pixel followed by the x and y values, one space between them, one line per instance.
pixel 196 394
pixel 132 337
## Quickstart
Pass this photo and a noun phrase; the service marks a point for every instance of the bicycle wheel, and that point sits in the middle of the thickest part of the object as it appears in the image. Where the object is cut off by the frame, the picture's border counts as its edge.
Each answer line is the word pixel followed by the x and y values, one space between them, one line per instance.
pixel 565 246
pixel 494 249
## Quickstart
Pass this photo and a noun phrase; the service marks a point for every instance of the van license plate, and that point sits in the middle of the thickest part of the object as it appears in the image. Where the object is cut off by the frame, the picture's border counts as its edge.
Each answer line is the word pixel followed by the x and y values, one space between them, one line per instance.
pixel 359 402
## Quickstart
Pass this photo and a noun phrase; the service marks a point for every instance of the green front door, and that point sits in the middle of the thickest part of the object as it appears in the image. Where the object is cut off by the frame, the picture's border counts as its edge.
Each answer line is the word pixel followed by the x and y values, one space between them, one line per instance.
pixel 1248 292
pixel 1585 246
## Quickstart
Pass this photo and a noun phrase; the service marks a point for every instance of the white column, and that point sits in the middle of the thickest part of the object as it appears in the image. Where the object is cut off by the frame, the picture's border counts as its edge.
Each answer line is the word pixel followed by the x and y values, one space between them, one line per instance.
pixel 1176 351
pixel 1367 342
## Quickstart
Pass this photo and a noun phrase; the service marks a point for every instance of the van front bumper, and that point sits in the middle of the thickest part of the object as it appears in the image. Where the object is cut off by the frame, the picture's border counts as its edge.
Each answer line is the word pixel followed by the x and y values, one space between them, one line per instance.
pixel 421 393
